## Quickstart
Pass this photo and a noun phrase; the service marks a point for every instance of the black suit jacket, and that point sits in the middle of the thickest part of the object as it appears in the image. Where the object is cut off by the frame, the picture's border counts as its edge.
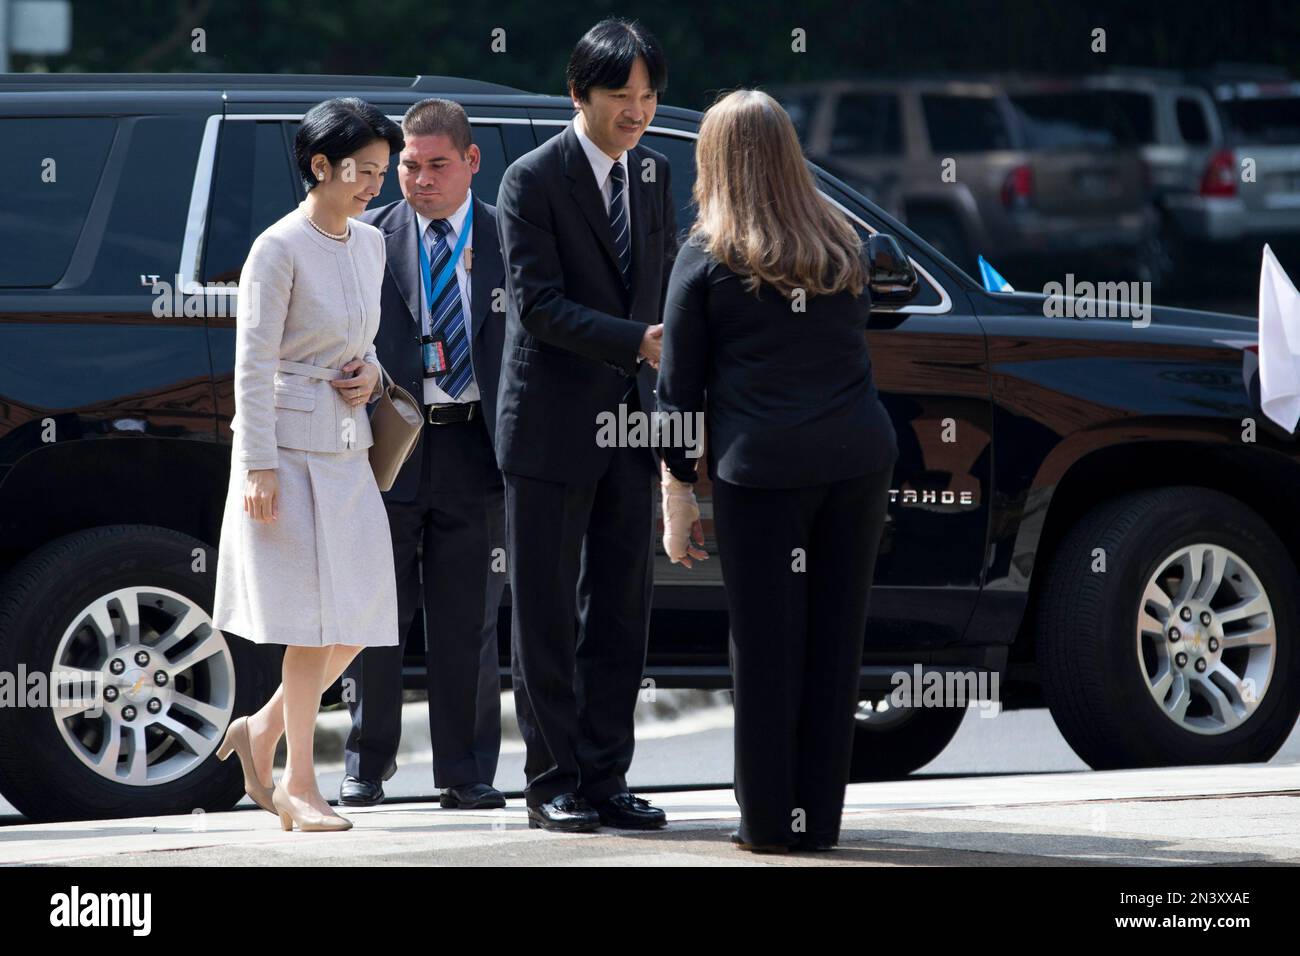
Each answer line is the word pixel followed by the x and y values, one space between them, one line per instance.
pixel 573 330
pixel 398 340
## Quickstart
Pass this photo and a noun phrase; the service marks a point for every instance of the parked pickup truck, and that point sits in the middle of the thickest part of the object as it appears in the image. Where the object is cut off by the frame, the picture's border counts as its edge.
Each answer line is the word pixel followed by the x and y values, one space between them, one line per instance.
pixel 1087 505
pixel 1027 172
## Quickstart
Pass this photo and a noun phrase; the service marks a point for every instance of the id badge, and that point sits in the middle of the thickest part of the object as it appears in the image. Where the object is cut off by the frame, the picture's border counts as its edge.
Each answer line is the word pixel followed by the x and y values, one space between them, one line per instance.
pixel 437 362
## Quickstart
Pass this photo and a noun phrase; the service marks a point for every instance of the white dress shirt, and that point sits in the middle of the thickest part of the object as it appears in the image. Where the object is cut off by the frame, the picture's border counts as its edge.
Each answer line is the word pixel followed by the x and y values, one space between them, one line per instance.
pixel 601 164
pixel 432 393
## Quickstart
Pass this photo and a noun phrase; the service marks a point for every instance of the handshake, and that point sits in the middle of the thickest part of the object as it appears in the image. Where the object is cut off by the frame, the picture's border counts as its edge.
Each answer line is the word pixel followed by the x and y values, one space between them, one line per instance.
pixel 681 520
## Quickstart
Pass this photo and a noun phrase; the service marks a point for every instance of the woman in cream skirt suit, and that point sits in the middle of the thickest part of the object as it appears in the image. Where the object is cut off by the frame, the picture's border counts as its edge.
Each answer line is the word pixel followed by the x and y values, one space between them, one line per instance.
pixel 305 556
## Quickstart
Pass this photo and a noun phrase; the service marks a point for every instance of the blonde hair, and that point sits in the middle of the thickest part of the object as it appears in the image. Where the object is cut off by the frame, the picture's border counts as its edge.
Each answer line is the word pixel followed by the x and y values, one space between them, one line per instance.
pixel 759 209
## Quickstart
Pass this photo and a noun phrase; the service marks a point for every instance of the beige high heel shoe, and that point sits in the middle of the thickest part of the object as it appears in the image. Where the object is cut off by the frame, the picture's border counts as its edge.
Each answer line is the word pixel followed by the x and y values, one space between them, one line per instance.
pixel 309 822
pixel 237 741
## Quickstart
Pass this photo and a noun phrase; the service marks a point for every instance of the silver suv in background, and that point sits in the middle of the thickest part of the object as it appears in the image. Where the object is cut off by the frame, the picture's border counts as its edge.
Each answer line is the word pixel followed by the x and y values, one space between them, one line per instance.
pixel 1035 173
pixel 1194 138
pixel 1261 121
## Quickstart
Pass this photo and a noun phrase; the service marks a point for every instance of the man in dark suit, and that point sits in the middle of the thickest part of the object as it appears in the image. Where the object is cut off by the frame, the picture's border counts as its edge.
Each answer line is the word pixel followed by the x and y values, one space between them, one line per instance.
pixel 440 339
pixel 588 233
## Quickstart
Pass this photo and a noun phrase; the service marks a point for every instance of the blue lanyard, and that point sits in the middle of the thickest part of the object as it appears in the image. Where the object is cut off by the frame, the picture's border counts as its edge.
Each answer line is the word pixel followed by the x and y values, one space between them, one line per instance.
pixel 431 295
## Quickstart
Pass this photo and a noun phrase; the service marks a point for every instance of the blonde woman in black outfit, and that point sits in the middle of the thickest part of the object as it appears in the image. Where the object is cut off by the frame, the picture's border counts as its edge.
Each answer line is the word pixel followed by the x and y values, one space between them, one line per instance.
pixel 765 325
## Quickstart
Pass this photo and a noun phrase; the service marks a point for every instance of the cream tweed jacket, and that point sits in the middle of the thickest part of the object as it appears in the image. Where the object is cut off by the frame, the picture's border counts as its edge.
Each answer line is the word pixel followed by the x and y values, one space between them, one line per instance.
pixel 307 305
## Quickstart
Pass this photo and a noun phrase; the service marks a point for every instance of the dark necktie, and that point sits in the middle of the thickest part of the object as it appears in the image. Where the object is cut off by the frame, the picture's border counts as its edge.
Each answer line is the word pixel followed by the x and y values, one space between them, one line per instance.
pixel 447 315
pixel 618 225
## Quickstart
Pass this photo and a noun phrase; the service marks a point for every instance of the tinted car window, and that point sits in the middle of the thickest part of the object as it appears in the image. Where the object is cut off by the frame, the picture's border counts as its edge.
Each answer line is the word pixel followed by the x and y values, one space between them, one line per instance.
pixel 146 226
pixel 42 206
pixel 486 182
pixel 254 186
pixel 964 124
pixel 1191 122
pixel 867 124
pixel 1068 120
pixel 681 159
pixel 926 294
pixel 492 165
pixel 1268 119
pixel 492 162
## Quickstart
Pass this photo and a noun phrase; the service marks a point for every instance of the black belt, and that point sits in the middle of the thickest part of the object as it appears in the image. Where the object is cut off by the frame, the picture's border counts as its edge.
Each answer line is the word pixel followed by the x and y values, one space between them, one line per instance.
pixel 449 413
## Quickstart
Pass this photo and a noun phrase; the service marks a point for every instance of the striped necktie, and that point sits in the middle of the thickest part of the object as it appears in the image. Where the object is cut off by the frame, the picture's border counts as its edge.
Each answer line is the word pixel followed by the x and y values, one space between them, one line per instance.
pixel 618 223
pixel 622 240
pixel 447 315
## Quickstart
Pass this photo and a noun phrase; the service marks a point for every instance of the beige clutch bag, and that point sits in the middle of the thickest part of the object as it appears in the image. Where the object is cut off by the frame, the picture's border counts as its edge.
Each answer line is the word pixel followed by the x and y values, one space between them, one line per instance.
pixel 395 426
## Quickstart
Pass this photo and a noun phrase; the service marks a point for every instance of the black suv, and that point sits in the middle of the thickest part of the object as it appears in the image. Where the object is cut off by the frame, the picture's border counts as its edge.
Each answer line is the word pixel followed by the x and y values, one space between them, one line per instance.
pixel 1091 509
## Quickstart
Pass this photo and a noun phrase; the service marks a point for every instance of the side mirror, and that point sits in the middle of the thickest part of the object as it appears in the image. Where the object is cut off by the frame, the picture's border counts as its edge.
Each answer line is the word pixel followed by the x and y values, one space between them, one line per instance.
pixel 893 280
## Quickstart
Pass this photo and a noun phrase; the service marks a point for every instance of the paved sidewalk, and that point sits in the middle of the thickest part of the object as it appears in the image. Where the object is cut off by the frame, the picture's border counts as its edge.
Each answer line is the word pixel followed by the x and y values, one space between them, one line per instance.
pixel 1244 814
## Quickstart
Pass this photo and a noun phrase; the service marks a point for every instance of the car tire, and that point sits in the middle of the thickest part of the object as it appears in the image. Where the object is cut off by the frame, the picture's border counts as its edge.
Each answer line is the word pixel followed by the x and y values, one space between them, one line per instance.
pixel 1107 655
pixel 904 741
pixel 59 767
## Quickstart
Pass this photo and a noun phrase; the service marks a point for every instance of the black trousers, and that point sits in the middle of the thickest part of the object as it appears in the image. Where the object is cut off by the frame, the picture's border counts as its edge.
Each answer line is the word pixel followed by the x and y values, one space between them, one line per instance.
pixel 580 551
pixel 797 565
pixel 457 520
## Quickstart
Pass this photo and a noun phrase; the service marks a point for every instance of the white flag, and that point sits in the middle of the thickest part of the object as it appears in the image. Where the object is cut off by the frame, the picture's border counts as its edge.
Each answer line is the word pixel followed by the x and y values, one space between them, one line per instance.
pixel 1279 344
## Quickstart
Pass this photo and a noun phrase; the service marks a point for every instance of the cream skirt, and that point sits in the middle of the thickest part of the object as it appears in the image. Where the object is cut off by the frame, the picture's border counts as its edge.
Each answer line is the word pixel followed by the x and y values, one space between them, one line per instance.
pixel 322 573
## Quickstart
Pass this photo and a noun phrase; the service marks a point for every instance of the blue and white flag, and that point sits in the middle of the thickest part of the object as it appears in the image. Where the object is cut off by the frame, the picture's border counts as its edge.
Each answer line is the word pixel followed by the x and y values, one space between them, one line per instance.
pixel 992 279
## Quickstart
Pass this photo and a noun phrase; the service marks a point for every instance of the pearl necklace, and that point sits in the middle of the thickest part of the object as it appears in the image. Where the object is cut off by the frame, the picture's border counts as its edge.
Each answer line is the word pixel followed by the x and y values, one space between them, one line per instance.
pixel 328 235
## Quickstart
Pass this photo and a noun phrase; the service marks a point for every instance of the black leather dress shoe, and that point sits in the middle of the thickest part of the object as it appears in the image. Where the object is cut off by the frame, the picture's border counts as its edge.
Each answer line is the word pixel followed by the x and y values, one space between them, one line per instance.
pixel 742 844
pixel 566 813
pixel 472 796
pixel 812 844
pixel 627 812
pixel 354 792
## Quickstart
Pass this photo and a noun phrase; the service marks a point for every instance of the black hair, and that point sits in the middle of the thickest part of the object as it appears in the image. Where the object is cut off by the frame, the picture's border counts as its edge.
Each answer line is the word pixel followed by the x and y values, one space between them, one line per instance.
pixel 438 117
pixel 605 54
pixel 338 128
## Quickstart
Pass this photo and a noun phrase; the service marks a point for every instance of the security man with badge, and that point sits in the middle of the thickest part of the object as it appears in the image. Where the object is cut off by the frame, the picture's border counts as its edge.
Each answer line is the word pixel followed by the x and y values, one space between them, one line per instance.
pixel 439 338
